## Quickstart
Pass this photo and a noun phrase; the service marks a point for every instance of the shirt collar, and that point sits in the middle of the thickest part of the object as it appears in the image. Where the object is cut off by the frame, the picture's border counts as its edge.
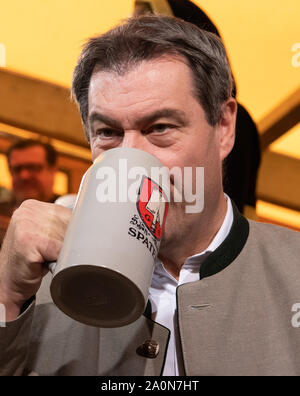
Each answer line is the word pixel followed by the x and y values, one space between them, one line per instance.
pixel 219 237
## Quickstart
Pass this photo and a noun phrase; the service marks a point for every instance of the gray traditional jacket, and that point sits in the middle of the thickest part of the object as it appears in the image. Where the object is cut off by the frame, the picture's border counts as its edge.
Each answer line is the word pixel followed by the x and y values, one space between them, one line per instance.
pixel 240 318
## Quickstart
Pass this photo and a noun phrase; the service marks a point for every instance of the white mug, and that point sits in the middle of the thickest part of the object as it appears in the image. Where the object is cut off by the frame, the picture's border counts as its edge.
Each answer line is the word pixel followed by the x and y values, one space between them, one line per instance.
pixel 104 270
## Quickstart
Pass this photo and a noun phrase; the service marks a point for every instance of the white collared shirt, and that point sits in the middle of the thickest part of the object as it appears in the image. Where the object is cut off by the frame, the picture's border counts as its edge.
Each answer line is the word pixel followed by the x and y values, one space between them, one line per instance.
pixel 162 294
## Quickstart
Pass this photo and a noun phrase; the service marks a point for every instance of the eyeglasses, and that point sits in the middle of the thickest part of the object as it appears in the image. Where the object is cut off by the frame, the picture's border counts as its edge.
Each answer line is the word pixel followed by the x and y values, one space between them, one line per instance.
pixel 31 168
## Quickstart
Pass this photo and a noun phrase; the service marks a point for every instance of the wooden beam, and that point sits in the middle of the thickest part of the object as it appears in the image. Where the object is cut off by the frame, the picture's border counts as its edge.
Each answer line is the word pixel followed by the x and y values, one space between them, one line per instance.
pixel 46 108
pixel 280 119
pixel 278 180
pixel 39 106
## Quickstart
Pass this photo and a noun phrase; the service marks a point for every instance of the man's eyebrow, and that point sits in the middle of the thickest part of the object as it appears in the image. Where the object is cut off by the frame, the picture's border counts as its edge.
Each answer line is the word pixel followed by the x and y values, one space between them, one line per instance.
pixel 178 115
pixel 95 116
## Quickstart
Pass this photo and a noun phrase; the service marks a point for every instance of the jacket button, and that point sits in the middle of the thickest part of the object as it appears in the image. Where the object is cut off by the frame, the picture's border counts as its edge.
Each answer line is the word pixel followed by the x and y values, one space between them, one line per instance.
pixel 149 349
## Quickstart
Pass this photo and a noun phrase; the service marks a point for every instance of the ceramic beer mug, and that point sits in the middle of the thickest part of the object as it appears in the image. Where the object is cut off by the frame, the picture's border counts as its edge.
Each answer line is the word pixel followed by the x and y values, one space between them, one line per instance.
pixel 104 270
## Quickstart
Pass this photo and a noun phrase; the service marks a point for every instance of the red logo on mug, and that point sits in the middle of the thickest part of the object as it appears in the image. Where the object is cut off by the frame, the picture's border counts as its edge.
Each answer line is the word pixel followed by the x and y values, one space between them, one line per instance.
pixel 152 205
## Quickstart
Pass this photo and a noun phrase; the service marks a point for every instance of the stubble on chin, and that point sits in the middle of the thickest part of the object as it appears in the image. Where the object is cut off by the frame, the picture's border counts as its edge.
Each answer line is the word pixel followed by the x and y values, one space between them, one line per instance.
pixel 174 230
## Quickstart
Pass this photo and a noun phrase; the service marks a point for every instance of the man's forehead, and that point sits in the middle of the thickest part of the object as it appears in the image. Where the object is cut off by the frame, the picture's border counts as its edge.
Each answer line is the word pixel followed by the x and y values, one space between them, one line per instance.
pixel 136 68
pixel 28 154
pixel 147 78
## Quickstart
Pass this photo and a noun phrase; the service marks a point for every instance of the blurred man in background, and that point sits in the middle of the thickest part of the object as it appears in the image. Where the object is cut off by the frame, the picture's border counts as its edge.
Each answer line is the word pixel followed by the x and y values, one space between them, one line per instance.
pixel 32 165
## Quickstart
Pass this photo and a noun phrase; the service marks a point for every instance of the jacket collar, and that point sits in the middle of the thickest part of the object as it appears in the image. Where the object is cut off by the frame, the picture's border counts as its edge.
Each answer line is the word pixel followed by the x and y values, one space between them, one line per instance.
pixel 229 249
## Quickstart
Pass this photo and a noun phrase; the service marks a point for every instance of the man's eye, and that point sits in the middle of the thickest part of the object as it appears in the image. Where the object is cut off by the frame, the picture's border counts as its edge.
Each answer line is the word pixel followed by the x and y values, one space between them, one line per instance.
pixel 160 128
pixel 106 133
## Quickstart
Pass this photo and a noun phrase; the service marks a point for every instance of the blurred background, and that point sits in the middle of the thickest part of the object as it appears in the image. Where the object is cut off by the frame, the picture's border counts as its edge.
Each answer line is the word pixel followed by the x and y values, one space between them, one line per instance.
pixel 40 41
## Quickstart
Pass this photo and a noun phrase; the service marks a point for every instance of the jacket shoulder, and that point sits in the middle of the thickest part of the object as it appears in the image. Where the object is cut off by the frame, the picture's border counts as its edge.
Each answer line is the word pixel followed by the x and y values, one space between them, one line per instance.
pixel 275 251
pixel 268 234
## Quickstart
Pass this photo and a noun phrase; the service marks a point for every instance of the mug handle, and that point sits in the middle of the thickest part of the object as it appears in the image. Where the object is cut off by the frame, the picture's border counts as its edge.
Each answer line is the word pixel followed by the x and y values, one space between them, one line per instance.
pixel 52 266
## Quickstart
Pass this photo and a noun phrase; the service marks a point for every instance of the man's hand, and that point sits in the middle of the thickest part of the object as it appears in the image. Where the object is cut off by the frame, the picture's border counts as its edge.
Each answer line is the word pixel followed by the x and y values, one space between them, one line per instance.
pixel 34 237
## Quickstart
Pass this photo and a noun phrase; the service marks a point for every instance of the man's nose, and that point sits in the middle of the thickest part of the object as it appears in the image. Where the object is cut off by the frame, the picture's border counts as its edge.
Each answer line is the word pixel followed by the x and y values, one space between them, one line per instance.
pixel 134 139
pixel 24 174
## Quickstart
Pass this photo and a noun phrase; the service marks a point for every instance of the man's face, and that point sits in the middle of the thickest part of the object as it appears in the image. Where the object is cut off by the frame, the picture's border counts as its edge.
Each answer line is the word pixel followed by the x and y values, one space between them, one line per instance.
pixel 152 107
pixel 32 177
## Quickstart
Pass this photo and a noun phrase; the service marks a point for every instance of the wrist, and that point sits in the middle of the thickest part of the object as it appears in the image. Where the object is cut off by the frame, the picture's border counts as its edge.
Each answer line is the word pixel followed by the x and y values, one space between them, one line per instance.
pixel 10 308
pixel 9 311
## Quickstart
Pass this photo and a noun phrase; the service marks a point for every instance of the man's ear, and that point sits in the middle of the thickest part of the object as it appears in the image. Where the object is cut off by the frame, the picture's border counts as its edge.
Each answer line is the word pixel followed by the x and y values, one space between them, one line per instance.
pixel 226 127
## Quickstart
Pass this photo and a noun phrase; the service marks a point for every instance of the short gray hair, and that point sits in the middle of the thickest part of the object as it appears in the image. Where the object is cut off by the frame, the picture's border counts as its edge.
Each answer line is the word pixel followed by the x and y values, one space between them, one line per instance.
pixel 150 37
